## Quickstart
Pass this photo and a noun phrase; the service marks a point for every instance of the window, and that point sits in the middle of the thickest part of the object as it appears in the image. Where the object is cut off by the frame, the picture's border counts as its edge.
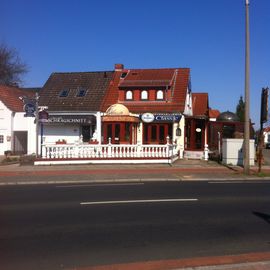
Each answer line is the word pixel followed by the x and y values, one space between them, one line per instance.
pixel 129 95
pixel 64 93
pixel 81 93
pixel 144 95
pixel 1 138
pixel 160 95
pixel 123 75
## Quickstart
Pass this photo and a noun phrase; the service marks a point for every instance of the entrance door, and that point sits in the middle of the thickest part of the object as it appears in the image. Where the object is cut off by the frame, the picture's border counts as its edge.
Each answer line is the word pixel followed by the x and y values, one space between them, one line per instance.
pixel 120 133
pixel 156 133
pixel 20 142
pixel 194 134
pixel 86 133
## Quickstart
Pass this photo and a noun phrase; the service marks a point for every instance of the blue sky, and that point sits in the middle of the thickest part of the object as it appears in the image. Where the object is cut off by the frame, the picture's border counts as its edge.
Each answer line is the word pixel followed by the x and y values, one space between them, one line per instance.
pixel 208 36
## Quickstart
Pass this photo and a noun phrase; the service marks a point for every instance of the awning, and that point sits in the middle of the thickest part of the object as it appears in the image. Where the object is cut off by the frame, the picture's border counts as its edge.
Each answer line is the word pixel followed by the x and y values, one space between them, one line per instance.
pixel 120 118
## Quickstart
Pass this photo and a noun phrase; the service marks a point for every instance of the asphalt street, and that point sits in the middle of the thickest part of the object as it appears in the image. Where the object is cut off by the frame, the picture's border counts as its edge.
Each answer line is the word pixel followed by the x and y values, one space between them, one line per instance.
pixel 69 226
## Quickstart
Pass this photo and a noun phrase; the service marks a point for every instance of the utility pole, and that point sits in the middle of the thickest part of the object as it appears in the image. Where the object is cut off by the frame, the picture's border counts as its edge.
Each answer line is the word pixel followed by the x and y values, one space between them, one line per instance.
pixel 36 121
pixel 247 90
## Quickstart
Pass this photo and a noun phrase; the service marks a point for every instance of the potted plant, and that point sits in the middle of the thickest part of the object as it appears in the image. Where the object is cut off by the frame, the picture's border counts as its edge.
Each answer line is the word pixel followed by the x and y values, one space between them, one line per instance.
pixel 93 141
pixel 63 141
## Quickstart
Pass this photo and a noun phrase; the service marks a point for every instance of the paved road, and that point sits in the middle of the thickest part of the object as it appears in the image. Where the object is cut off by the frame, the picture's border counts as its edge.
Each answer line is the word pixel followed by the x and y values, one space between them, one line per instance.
pixel 68 226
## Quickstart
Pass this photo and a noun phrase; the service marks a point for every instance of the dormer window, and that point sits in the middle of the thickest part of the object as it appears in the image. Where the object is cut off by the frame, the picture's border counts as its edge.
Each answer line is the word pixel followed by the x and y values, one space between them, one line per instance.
pixel 144 95
pixel 129 95
pixel 64 93
pixel 123 75
pixel 160 95
pixel 81 93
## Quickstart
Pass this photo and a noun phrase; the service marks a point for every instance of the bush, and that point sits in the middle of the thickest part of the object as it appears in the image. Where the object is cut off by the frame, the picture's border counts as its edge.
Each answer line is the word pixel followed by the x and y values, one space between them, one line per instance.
pixel 7 153
pixel 27 160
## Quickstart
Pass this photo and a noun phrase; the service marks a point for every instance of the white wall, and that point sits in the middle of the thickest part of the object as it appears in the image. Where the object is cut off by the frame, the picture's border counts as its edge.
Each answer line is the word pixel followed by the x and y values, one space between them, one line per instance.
pixel 53 133
pixel 5 127
pixel 22 123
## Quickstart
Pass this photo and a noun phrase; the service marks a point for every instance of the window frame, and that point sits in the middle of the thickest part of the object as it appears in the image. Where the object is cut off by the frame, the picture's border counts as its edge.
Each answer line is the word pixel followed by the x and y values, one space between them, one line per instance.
pixel 81 90
pixel 64 93
pixel 2 138
pixel 160 91
pixel 147 95
pixel 126 95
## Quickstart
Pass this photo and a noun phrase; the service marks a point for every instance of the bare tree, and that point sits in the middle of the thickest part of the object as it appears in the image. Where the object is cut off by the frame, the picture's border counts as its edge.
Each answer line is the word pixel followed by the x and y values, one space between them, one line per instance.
pixel 11 66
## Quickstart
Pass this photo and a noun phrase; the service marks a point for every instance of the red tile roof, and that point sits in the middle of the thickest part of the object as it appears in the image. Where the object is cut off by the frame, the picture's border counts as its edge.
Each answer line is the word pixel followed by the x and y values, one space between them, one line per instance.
pixel 177 79
pixel 214 113
pixel 200 104
pixel 148 78
pixel 10 97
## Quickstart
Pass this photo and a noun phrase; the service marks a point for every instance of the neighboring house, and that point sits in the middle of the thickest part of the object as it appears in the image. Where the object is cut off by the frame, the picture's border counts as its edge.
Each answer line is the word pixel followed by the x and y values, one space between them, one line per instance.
pixel 147 106
pixel 196 126
pixel 73 100
pixel 213 114
pixel 266 134
pixel 17 133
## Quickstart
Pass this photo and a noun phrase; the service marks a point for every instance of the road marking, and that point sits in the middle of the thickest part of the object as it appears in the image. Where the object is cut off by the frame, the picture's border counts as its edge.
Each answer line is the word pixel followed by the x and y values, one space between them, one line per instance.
pixel 138 201
pixel 99 185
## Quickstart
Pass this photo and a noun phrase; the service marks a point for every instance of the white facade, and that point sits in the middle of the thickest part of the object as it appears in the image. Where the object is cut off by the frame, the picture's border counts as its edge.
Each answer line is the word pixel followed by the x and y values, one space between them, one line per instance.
pixel 11 125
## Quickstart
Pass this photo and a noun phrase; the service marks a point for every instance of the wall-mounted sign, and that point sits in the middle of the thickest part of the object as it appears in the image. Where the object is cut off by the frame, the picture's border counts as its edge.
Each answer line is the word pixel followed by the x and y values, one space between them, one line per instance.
pixel 72 119
pixel 29 109
pixel 149 117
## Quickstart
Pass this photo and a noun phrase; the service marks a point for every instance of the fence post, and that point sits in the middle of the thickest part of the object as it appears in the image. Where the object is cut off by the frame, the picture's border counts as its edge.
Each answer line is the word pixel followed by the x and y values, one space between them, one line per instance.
pixel 168 147
pixel 76 150
pixel 181 152
pixel 110 148
pixel 43 151
pixel 206 152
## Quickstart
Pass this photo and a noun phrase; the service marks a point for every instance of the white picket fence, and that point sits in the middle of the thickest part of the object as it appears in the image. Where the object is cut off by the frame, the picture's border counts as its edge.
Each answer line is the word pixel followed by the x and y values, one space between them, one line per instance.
pixel 108 151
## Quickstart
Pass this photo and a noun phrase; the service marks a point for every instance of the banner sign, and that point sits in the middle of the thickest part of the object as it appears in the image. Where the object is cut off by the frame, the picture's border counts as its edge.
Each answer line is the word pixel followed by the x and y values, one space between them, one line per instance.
pixel 161 117
pixel 72 119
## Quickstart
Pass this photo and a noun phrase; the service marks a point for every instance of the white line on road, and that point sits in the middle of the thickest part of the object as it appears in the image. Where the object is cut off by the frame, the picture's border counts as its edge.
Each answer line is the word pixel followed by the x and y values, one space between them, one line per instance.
pixel 139 201
pixel 99 185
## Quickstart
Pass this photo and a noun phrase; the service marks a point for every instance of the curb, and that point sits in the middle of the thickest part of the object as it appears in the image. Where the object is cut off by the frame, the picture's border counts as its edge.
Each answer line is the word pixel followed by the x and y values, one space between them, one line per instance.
pixel 228 262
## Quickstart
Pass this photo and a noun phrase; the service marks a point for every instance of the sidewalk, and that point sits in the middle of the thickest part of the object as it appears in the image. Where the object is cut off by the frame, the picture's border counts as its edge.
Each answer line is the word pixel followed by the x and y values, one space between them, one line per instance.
pixel 181 170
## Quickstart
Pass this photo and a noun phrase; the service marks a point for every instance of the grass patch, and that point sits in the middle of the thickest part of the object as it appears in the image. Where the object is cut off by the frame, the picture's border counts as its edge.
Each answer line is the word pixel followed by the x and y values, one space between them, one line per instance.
pixel 263 174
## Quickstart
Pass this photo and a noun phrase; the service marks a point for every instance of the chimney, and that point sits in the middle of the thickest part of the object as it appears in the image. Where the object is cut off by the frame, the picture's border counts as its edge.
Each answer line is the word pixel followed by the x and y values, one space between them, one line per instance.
pixel 118 67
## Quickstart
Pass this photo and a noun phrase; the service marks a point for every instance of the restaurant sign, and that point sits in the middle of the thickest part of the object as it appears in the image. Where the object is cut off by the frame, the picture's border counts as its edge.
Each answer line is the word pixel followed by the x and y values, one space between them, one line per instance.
pixel 160 117
pixel 72 119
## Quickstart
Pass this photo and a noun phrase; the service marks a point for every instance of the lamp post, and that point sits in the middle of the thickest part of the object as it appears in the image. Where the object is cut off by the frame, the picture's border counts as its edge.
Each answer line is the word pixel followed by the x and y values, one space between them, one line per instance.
pixel 247 78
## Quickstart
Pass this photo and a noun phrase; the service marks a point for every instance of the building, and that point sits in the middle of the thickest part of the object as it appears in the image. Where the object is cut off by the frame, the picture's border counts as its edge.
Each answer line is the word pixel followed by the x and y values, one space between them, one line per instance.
pixel 17 133
pixel 147 106
pixel 73 103
pixel 142 113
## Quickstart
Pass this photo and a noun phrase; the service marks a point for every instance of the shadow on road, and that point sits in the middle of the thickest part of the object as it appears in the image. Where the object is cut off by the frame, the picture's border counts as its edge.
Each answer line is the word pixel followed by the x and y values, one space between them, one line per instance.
pixel 265 217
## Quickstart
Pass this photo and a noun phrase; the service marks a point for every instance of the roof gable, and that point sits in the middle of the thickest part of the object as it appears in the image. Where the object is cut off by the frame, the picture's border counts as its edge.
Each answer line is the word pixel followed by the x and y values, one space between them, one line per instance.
pixel 177 80
pixel 10 97
pixel 200 104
